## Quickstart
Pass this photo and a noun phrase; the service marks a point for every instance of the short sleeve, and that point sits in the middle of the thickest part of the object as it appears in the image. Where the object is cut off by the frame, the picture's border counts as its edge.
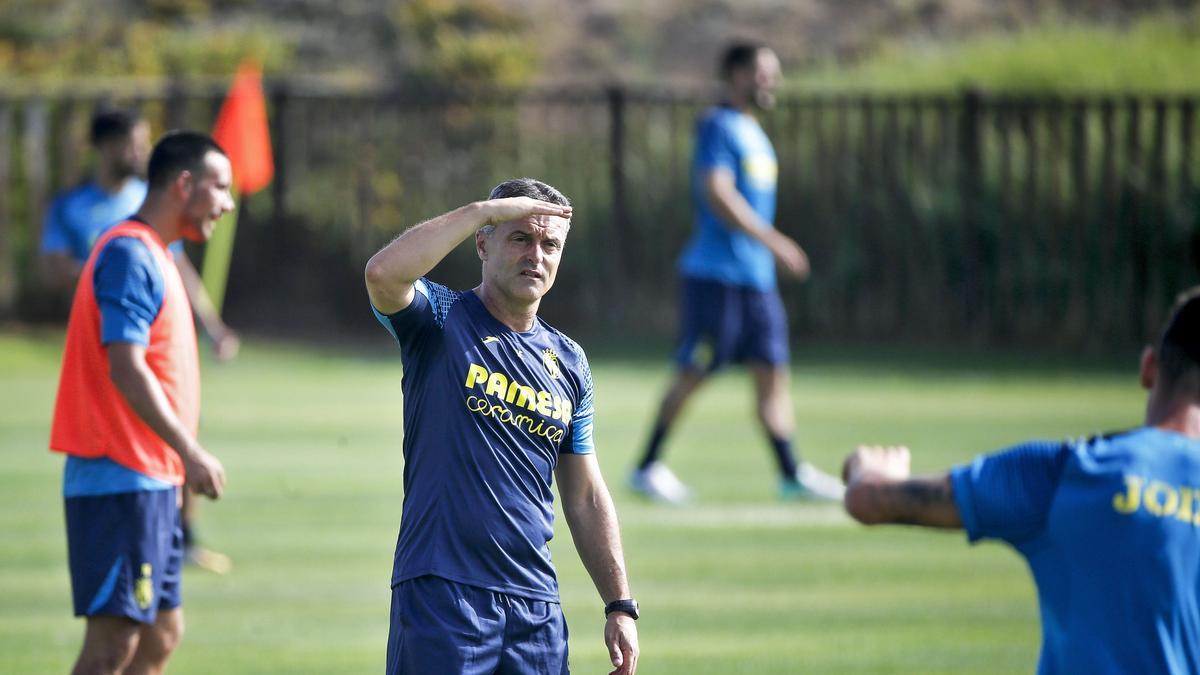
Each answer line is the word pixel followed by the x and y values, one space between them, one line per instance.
pixel 713 147
pixel 1007 495
pixel 129 290
pixel 430 305
pixel 581 441
pixel 55 238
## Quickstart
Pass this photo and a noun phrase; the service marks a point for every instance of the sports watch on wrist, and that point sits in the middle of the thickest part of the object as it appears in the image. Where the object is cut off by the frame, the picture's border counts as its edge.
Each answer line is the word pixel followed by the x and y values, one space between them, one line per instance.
pixel 628 605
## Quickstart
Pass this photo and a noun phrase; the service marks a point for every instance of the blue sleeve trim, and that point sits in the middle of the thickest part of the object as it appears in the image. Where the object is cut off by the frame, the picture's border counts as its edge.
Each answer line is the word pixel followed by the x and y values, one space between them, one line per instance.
pixel 129 290
pixel 404 323
pixel 582 442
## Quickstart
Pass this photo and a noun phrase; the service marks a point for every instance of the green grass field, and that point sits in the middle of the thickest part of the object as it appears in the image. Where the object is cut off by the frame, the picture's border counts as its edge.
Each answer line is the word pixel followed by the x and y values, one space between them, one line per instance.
pixel 736 584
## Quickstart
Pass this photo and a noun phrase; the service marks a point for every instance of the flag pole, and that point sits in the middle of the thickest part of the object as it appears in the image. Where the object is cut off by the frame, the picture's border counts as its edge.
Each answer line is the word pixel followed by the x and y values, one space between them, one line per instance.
pixel 242 131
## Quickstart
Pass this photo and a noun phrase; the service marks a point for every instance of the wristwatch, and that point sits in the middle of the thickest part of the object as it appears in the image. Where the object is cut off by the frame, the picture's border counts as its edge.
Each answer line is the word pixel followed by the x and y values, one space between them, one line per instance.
pixel 629 606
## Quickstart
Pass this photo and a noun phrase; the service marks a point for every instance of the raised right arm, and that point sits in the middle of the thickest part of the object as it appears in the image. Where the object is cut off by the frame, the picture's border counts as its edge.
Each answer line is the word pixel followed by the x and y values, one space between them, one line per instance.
pixel 391 272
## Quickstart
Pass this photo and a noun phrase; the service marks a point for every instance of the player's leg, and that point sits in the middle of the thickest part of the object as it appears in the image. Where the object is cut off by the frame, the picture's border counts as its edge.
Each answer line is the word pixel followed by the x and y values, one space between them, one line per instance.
pixel 705 343
pixel 156 643
pixel 109 643
pixel 685 383
pixel 439 626
pixel 159 639
pixel 535 638
pixel 123 550
pixel 765 348
pixel 798 479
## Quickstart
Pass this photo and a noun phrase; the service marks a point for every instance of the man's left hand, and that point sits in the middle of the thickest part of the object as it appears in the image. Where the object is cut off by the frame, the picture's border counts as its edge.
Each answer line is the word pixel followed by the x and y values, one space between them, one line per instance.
pixel 226 344
pixel 620 634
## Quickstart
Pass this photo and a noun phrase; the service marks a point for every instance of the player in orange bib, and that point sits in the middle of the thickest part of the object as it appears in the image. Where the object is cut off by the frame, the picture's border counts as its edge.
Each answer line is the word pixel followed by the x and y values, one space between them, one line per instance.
pixel 127 412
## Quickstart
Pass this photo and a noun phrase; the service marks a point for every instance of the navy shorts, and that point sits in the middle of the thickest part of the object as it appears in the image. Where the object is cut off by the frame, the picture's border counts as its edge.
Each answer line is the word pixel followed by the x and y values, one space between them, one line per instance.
pixel 441 626
pixel 730 324
pixel 125 552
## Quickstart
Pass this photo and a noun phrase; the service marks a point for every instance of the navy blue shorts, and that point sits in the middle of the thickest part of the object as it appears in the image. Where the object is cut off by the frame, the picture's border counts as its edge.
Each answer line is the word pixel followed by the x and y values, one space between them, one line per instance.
pixel 730 324
pixel 125 552
pixel 441 626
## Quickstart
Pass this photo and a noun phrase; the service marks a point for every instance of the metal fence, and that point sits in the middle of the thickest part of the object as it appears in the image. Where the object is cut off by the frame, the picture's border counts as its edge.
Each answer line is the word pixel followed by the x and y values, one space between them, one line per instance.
pixel 995 220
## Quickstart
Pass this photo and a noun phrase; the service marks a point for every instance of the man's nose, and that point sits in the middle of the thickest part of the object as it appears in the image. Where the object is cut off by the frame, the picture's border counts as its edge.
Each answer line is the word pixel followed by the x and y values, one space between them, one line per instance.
pixel 534 254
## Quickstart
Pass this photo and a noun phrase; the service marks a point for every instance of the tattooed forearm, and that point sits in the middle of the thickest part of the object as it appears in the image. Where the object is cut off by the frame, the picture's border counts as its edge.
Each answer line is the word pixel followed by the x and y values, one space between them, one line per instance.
pixel 925 492
pixel 927 501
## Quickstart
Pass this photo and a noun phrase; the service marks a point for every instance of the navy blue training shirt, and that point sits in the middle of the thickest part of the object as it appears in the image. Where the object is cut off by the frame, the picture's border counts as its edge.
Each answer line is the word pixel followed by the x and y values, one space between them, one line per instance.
pixel 487 411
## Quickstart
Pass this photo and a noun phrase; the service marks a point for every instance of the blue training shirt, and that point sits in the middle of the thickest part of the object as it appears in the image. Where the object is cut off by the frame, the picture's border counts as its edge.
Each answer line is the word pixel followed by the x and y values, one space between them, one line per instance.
pixel 729 139
pixel 76 219
pixel 129 291
pixel 1110 527
pixel 487 411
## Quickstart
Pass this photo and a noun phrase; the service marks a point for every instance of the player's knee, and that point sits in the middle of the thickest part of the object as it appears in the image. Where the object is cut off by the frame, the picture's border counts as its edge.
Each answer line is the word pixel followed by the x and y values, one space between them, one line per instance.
pixel 169 633
pixel 107 657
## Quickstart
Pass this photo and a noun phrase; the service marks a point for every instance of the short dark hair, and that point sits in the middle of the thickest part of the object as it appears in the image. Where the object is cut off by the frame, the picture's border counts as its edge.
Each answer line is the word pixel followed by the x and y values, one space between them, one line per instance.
pixel 529 187
pixel 178 151
pixel 111 123
pixel 1179 347
pixel 738 55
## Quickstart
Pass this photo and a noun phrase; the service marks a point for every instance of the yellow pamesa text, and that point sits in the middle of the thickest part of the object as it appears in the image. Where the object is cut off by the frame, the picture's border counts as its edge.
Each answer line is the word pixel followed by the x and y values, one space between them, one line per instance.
pixel 510 391
pixel 1158 499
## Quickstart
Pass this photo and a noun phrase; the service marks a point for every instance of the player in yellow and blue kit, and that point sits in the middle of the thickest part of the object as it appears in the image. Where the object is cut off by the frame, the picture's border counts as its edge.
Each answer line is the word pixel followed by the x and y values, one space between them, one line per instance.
pixel 731 310
pixel 497 405
pixel 1110 526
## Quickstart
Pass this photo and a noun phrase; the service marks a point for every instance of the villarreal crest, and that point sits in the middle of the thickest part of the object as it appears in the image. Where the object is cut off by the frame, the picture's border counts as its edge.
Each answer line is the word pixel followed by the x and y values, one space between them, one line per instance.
pixel 550 360
pixel 143 589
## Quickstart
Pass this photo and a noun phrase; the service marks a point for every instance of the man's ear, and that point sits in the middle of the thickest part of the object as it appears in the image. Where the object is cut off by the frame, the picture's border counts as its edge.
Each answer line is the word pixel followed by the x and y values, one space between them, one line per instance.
pixel 1148 373
pixel 481 244
pixel 182 185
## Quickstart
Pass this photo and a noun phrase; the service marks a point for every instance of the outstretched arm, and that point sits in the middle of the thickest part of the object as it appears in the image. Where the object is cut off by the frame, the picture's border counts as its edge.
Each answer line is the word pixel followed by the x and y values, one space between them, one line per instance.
pixel 879 490
pixel 392 271
pixel 592 520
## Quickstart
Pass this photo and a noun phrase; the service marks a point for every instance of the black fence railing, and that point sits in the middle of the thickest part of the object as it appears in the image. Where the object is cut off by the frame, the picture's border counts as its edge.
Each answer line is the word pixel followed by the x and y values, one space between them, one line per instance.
pixel 998 220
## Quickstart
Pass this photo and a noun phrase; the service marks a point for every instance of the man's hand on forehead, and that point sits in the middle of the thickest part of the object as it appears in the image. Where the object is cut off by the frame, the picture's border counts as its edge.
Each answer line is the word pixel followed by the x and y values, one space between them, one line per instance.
pixel 496 211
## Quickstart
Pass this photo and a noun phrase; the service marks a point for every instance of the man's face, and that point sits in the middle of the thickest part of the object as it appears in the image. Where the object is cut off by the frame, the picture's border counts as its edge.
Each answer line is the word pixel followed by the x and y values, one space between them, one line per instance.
pixel 207 197
pixel 128 155
pixel 758 81
pixel 520 257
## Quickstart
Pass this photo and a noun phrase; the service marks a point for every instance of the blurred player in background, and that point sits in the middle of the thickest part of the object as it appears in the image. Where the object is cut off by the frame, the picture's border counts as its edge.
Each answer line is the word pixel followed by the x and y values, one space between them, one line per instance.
pixel 497 406
pixel 731 309
pixel 1110 526
pixel 127 413
pixel 78 217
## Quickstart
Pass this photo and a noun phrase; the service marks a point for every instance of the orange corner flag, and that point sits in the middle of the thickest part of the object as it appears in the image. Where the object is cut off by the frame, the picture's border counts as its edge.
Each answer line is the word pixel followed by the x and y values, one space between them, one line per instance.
pixel 241 129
